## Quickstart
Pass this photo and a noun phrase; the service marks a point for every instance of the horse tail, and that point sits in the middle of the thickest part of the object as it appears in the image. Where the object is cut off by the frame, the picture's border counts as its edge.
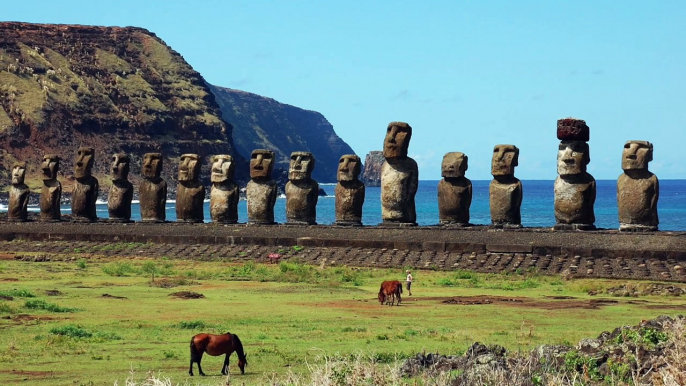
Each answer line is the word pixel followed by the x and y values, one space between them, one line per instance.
pixel 238 345
pixel 401 287
pixel 194 350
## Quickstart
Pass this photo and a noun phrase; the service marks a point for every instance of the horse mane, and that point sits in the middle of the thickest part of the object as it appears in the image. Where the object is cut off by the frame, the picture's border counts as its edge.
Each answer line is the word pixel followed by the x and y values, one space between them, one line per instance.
pixel 239 347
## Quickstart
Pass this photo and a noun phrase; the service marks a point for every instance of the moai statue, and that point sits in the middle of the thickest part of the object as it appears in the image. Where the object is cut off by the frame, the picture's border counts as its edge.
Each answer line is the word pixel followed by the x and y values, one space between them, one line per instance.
pixel 399 177
pixel 19 194
pixel 505 190
pixel 86 188
pixel 51 192
pixel 349 191
pixel 454 190
pixel 121 192
pixel 575 189
pixel 637 189
pixel 302 192
pixel 190 192
pixel 152 189
pixel 261 190
pixel 224 193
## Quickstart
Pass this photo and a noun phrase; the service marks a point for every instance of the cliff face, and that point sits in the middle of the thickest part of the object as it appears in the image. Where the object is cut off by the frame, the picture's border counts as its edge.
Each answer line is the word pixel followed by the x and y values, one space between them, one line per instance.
pixel 114 89
pixel 371 174
pixel 263 123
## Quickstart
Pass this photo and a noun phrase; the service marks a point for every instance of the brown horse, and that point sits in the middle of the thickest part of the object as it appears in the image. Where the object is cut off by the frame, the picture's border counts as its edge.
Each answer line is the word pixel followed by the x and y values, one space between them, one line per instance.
pixel 390 291
pixel 217 345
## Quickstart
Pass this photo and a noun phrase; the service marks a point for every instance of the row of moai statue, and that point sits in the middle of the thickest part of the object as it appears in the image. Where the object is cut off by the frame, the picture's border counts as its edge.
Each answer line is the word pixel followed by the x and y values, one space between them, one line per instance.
pixel 575 189
pixel 302 191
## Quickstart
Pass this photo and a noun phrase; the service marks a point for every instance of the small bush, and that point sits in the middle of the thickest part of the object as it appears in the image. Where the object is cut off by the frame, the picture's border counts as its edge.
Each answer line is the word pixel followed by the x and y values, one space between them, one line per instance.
pixel 192 325
pixel 170 355
pixel 38 304
pixel 81 264
pixel 71 331
pixel 18 293
pixel 6 309
pixel 119 269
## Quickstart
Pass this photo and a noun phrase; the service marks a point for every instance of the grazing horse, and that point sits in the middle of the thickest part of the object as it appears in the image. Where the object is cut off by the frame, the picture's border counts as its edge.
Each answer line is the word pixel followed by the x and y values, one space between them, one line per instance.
pixel 217 345
pixel 390 291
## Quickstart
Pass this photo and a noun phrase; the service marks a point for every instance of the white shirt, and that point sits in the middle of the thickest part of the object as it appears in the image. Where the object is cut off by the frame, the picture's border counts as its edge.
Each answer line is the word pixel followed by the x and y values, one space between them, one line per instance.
pixel 409 277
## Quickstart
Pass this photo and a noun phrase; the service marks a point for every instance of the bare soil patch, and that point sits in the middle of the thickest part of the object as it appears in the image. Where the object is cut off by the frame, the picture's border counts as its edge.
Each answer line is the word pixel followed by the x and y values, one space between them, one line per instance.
pixel 187 295
pixel 108 296
pixel 523 302
pixel 53 292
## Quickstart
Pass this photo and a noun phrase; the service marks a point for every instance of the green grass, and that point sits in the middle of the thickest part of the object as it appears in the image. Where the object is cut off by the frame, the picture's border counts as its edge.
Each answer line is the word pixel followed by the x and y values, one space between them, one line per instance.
pixel 287 316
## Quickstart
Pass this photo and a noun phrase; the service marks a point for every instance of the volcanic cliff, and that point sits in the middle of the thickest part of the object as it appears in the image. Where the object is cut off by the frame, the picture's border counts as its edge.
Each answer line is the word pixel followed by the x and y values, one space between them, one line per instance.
pixel 114 89
pixel 263 123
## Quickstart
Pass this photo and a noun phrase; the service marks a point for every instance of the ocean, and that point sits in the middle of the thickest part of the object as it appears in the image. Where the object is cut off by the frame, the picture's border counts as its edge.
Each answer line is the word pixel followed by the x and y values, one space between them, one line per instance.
pixel 537 205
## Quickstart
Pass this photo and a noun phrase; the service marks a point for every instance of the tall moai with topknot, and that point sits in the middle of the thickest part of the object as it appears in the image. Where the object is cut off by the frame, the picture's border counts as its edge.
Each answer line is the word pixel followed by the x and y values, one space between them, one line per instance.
pixel 399 178
pixel 637 189
pixel 575 189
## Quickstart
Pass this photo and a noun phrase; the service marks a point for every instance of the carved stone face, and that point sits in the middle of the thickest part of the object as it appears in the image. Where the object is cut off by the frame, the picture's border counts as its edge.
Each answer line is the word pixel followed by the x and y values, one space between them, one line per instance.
pixel 302 164
pixel 50 166
pixel 454 165
pixel 636 155
pixel 505 158
pixel 18 173
pixel 349 167
pixel 397 140
pixel 152 165
pixel 572 157
pixel 84 162
pixel 119 170
pixel 189 167
pixel 261 163
pixel 222 168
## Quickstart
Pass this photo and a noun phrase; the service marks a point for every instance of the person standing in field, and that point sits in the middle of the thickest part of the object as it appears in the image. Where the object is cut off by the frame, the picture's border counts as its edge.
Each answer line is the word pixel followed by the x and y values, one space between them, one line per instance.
pixel 409 282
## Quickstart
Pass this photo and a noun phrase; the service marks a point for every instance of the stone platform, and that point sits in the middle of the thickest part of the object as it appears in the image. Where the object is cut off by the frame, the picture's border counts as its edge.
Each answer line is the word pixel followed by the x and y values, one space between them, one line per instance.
pixel 601 253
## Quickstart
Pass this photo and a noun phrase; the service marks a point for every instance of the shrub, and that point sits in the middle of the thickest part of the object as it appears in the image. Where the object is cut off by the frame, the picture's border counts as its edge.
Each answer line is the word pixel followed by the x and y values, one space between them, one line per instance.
pixel 192 325
pixel 38 304
pixel 6 309
pixel 71 331
pixel 119 269
pixel 18 293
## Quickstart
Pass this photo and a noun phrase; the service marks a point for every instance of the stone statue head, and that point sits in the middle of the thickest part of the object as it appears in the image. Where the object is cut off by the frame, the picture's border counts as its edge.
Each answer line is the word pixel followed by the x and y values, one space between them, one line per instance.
pixel 454 165
pixel 83 166
pixel 152 165
pixel 261 163
pixel 572 157
pixel 636 155
pixel 50 166
pixel 119 170
pixel 397 140
pixel 222 168
pixel 18 173
pixel 189 167
pixel 302 164
pixel 505 158
pixel 349 167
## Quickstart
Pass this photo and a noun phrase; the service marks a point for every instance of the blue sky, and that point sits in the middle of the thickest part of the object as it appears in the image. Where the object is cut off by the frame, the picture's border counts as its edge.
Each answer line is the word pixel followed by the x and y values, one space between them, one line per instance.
pixel 465 75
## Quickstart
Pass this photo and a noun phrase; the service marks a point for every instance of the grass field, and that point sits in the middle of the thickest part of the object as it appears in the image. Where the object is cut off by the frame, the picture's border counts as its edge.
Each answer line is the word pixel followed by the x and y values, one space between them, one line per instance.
pixel 94 321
